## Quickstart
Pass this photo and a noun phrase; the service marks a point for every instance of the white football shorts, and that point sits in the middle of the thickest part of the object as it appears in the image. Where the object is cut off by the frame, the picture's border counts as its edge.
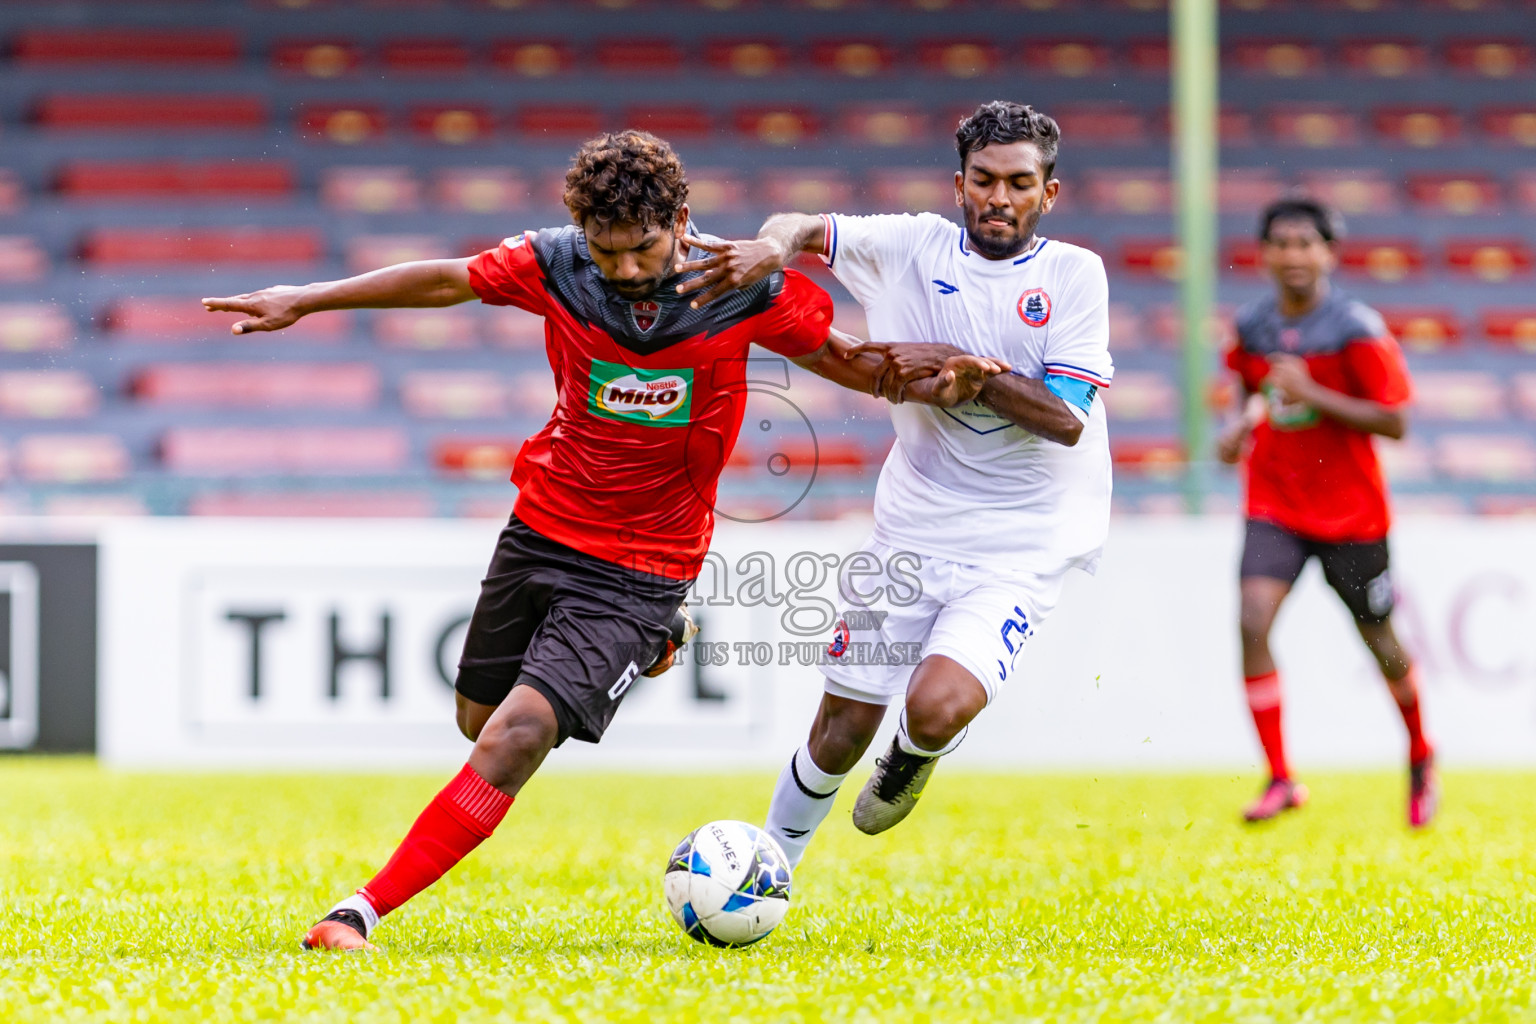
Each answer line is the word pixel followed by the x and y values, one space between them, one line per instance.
pixel 919 605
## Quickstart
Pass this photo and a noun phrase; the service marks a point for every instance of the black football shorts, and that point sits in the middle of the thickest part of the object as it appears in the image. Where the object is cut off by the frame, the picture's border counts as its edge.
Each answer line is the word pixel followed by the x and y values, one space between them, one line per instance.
pixel 1358 572
pixel 576 628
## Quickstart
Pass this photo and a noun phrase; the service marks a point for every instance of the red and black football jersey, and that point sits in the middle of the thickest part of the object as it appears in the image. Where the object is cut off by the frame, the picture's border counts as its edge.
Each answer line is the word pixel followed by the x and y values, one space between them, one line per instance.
pixel 1310 474
pixel 651 397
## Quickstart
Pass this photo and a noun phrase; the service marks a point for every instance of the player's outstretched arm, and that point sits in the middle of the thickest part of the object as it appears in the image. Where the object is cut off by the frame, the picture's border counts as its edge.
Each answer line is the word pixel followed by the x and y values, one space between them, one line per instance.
pixel 733 265
pixel 1028 403
pixel 1288 375
pixel 951 378
pixel 420 283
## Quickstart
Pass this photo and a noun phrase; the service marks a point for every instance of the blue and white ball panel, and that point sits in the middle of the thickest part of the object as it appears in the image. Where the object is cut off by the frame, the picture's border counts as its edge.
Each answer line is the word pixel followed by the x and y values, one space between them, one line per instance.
pixel 728 883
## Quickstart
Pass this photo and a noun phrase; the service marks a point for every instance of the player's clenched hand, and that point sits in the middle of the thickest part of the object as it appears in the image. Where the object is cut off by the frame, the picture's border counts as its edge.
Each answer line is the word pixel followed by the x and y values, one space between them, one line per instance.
pixel 270 309
pixel 1229 445
pixel 961 378
pixel 1288 375
pixel 730 265
pixel 903 363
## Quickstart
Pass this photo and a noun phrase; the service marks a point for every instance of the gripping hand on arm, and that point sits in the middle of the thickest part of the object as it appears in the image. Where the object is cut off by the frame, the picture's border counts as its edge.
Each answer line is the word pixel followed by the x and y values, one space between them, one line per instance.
pixel 943 379
pixel 734 265
pixel 421 283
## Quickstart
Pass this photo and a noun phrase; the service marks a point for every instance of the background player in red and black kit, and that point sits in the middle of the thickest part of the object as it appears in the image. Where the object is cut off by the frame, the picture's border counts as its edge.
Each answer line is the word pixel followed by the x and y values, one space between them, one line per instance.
pixel 615 504
pixel 1321 374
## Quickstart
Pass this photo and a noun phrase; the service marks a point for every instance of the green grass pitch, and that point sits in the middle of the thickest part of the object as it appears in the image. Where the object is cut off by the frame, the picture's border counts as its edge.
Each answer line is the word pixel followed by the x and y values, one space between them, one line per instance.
pixel 134 897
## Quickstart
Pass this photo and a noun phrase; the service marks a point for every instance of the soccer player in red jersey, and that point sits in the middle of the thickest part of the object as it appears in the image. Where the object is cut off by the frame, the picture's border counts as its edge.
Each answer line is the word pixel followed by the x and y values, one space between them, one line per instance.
pixel 1321 375
pixel 615 499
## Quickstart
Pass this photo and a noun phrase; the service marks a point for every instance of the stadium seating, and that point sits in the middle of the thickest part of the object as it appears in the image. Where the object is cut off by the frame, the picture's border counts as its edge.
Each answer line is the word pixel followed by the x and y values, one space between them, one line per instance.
pixel 154 158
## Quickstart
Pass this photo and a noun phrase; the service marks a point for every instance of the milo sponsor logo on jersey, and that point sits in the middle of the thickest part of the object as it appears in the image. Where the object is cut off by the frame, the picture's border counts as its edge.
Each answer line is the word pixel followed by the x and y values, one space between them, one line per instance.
pixel 1286 415
pixel 657 398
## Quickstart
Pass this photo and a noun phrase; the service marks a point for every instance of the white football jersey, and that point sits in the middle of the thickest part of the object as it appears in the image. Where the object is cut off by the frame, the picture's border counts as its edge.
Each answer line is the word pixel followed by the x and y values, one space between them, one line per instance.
pixel 965 484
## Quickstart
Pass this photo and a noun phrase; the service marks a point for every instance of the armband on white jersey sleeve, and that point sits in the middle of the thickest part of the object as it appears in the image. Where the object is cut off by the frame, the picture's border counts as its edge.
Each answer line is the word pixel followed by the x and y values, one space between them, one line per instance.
pixel 1076 391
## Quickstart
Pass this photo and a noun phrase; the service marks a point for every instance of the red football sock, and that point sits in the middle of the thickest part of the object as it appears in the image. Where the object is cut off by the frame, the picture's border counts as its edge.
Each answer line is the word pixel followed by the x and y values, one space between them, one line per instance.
pixel 1264 703
pixel 1418 746
pixel 456 821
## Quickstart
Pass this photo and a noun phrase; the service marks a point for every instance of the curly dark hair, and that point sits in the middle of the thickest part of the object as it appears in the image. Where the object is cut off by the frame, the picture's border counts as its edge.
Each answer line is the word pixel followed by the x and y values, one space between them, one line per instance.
pixel 1297 207
pixel 1001 122
pixel 628 177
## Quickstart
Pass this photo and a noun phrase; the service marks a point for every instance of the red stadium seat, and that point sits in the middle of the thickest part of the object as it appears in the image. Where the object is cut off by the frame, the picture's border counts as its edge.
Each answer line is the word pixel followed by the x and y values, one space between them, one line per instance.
pixel 711 190
pixel 1524 190
pixel 134 246
pixel 532 58
pixel 884 125
pixel 480 189
pixel 1423 328
pixel 1492 259
pixel 1234 127
pixel 1515 327
pixel 176 180
pixel 777 126
pixel 428 329
pixel 1405 461
pixel 638 56
pixel 1423 127
pixel 47 394
pixel 174 320
pixel 557 120
pixel 326 451
pixel 1365 190
pixel 72 458
pixel 1385 58
pixel 1492 458
pixel 12 192
pixel 959 58
pixel 1142 395
pixel 453 124
pixel 1247 190
pixel 1241 256
pixel 480 459
pixel 912 191
pixel 317 58
pixel 1067 58
pixel 454 394
pixel 1278 58
pixel 853 58
pixel 510 327
pixel 95 48
pixel 1458 395
pixel 1525 394
pixel 370 189
pixel 1503 505
pixel 1128 191
pixel 1313 126
pixel 370 252
pixel 1515 126
pixel 1385 259
pixel 1100 124
pixel 21 259
pixel 259 385
pixel 1465 193
pixel 1490 58
pixel 425 57
pixel 1149 56
pixel 345 123
pixel 748 58
pixel 1155 256
pixel 1154 457
pixel 119 112
pixel 312 505
pixel 34 327
pixel 670 122
pixel 807 190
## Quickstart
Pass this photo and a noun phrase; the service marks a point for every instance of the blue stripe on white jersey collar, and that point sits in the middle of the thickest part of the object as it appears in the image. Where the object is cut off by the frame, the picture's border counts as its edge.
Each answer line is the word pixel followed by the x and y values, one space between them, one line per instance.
pixel 1040 241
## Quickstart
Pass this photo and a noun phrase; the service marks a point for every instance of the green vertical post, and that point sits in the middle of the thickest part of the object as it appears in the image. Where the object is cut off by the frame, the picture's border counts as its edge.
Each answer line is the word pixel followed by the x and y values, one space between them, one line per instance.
pixel 1196 64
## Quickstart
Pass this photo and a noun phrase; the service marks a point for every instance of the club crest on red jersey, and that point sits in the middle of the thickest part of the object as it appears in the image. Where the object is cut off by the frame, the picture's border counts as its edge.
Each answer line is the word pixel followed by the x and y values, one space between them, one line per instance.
pixel 1035 307
pixel 644 313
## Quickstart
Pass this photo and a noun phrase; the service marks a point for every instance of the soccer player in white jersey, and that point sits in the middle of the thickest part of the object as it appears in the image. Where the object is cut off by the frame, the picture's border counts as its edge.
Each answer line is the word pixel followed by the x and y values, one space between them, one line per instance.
pixel 995 500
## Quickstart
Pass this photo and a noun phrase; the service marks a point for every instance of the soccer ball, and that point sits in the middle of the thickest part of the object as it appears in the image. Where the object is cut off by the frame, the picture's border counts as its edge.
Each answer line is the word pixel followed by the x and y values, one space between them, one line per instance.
pixel 727 883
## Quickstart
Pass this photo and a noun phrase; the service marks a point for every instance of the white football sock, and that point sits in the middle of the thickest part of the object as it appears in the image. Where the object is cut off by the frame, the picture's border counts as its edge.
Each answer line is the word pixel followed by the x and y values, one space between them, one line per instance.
pixel 801 800
pixel 364 910
pixel 905 741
